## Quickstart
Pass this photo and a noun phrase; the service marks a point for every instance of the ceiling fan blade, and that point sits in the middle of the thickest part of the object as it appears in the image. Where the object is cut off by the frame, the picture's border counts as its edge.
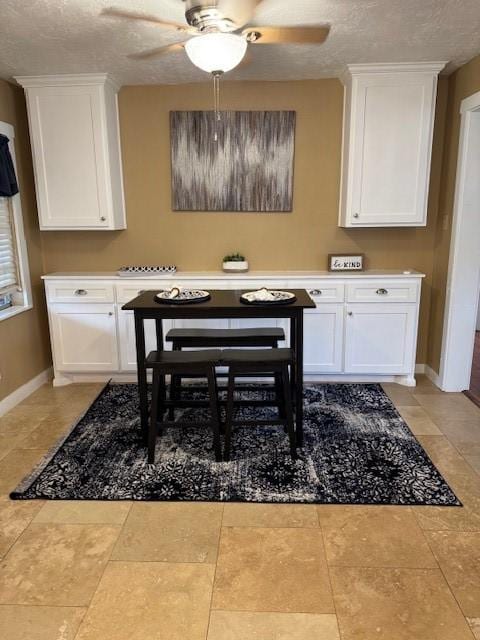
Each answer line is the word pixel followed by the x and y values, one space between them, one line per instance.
pixel 286 35
pixel 113 12
pixel 158 51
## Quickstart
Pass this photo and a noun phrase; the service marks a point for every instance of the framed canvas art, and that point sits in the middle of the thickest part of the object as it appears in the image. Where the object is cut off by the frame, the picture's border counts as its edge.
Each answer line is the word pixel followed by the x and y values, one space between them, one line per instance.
pixel 249 167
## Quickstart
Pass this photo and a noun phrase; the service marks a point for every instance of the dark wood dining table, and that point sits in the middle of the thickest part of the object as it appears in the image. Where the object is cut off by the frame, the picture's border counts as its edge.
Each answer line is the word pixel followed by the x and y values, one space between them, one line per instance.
pixel 223 304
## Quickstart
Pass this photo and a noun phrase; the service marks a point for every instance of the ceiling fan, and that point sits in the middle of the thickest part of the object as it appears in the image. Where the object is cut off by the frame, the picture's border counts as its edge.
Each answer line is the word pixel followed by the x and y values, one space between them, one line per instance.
pixel 216 34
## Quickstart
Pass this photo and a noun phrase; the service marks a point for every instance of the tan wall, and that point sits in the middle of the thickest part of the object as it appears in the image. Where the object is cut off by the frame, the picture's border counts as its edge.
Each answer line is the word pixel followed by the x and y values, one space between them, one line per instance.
pixel 463 83
pixel 24 341
pixel 298 240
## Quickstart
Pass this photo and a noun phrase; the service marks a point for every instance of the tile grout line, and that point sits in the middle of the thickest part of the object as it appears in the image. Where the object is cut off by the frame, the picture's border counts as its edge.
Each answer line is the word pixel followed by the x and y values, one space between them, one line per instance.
pixel 87 608
pixel 445 577
pixel 43 606
pixel 463 455
pixel 4 556
pixel 215 572
pixel 46 524
pixel 324 549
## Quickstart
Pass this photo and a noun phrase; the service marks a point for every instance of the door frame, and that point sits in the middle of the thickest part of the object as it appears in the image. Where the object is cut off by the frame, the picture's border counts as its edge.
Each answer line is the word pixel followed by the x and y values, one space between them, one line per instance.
pixel 463 283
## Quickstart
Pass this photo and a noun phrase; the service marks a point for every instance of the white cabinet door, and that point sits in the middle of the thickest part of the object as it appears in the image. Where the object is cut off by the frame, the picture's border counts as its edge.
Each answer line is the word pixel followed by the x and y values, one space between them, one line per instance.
pixel 323 339
pixel 70 162
pixel 127 342
pixel 388 144
pixel 84 337
pixel 380 338
pixel 76 151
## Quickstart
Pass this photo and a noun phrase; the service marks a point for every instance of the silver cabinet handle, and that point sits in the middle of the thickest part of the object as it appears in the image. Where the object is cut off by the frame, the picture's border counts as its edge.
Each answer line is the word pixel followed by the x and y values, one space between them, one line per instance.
pixel 102 219
pixel 382 292
pixel 110 313
pixel 356 215
pixel 81 292
pixel 315 292
pixel 350 313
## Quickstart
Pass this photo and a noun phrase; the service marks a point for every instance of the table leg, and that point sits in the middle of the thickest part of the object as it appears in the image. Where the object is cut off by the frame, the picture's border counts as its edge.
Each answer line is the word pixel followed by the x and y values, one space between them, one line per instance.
pixel 299 378
pixel 141 373
pixel 293 345
pixel 162 384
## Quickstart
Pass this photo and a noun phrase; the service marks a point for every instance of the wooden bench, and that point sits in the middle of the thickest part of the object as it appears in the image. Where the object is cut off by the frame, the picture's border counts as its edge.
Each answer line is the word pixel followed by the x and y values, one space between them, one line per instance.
pixel 201 364
pixel 246 362
pixel 266 337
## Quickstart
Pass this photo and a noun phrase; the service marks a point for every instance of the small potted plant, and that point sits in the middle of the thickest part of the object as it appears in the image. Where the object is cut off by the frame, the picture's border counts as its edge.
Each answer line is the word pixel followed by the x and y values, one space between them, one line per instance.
pixel 235 263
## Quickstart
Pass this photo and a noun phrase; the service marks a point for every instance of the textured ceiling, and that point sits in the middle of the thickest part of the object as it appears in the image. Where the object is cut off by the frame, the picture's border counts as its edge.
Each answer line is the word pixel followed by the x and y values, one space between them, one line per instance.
pixel 69 36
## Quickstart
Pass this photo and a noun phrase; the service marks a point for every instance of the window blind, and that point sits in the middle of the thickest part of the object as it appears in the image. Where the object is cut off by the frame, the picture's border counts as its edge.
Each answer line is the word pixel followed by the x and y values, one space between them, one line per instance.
pixel 9 278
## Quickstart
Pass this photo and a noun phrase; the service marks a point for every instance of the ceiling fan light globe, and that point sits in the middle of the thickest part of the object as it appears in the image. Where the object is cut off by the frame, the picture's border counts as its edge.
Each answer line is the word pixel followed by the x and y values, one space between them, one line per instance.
pixel 216 51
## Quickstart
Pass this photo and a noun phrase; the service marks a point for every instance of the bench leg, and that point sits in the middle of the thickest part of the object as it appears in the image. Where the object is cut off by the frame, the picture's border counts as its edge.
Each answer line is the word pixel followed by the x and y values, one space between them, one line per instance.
pixel 175 388
pixel 229 415
pixel 289 412
pixel 161 398
pixel 152 431
pixel 279 395
pixel 213 396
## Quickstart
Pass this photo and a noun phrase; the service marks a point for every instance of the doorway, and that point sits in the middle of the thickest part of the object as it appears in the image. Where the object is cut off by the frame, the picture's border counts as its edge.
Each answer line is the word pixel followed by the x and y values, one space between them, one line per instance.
pixel 474 391
pixel 463 284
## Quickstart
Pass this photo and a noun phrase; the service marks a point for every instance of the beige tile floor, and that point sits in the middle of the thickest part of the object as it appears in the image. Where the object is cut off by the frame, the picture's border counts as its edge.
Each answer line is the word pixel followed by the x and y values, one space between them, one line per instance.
pixel 181 571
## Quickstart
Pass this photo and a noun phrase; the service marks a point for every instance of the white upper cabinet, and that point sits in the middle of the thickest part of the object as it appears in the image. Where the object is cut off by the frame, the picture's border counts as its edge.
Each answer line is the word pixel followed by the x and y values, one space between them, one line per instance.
pixel 389 115
pixel 76 151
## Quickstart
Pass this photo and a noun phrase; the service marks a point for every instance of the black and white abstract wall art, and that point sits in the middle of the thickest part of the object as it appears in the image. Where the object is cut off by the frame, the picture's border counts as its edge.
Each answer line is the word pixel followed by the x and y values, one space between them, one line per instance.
pixel 248 168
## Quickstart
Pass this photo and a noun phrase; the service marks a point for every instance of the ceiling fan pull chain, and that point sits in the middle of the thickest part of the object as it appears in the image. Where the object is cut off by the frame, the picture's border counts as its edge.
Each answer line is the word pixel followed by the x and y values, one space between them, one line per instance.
pixel 216 98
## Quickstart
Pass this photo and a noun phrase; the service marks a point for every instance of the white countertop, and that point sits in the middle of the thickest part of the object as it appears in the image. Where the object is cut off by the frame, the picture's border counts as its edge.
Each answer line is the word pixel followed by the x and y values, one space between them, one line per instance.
pixel 250 275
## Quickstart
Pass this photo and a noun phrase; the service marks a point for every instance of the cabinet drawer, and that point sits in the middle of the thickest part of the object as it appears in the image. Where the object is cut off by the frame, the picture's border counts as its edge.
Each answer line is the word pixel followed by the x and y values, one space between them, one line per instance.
pixel 321 290
pixel 80 291
pixel 383 291
pixel 127 292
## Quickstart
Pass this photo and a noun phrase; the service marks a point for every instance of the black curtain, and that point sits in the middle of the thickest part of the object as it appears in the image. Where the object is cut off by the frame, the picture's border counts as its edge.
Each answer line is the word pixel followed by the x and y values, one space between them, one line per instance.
pixel 8 179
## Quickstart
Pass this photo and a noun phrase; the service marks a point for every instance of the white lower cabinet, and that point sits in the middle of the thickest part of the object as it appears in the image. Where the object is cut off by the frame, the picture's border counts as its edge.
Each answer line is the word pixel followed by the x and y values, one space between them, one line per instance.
pixel 84 337
pixel 363 327
pixel 380 338
pixel 126 340
pixel 323 339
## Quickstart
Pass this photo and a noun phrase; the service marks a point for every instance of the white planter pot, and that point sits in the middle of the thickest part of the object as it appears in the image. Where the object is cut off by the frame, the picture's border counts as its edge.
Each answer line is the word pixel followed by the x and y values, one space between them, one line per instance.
pixel 235 267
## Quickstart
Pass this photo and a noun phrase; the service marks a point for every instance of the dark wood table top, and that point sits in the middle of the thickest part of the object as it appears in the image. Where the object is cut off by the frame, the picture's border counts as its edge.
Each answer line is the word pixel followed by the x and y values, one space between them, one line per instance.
pixel 221 301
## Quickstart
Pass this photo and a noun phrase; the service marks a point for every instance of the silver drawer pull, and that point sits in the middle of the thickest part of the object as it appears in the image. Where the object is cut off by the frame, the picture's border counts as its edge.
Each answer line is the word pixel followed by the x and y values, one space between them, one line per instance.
pixel 81 292
pixel 350 313
pixel 110 313
pixel 356 215
pixel 382 292
pixel 315 292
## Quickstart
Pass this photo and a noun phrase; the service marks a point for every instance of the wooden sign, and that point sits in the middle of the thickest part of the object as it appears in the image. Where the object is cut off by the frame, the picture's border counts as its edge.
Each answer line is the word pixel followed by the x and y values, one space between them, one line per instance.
pixel 342 262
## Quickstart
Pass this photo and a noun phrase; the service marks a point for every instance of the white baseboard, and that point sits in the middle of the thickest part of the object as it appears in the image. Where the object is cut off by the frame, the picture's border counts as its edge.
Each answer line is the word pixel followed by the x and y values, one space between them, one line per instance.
pixel 420 368
pixel 433 376
pixel 24 391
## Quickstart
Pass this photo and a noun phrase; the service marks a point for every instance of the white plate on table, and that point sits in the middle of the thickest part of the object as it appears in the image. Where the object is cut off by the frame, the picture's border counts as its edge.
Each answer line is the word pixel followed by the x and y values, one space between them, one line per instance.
pixel 271 297
pixel 184 296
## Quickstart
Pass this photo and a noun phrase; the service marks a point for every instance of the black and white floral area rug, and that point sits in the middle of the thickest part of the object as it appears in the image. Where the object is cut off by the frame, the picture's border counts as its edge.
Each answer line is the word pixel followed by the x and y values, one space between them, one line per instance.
pixel 358 450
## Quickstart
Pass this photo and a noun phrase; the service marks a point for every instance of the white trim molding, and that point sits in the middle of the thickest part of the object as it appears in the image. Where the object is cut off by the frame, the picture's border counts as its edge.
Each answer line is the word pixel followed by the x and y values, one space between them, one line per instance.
pixel 388 67
pixel 432 375
pixel 22 300
pixel 66 80
pixel 25 390
pixel 463 283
